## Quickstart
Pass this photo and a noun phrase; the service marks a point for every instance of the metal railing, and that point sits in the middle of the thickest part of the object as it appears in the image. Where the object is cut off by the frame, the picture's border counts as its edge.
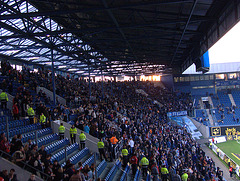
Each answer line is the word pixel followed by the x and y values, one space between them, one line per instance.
pixel 118 149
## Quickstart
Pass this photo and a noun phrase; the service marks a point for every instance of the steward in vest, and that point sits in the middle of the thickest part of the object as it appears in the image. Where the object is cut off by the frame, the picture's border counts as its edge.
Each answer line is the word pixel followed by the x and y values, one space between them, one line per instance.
pixel 184 177
pixel 73 132
pixel 82 138
pixel 31 114
pixel 61 131
pixel 114 142
pixel 164 173
pixel 101 150
pixel 42 120
pixel 144 164
pixel 125 156
pixel 3 99
pixel 229 162
pixel 210 145
pixel 218 152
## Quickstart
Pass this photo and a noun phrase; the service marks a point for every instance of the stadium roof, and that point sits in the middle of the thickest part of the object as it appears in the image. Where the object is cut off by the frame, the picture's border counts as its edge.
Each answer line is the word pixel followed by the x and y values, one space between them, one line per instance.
pixel 113 37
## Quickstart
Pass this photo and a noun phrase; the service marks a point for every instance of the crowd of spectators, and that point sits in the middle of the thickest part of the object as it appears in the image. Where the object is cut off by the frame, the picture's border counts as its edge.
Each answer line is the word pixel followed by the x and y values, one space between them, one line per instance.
pixel 115 109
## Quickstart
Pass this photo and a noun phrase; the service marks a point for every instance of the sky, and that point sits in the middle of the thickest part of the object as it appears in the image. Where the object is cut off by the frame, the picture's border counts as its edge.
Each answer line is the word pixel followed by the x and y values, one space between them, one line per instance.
pixel 227 49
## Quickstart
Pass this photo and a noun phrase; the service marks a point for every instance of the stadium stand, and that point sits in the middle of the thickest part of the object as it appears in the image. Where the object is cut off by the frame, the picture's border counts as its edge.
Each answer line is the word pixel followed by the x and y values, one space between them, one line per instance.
pixel 123 113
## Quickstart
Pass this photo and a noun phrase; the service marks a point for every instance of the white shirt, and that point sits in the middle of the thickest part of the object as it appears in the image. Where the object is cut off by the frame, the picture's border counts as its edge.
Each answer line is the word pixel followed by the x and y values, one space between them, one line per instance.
pixel 131 143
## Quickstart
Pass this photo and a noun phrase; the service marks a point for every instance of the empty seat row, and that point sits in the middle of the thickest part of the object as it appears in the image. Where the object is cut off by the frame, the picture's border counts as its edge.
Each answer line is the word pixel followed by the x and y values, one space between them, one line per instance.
pixel 113 171
pixel 101 167
pixel 76 158
pixel 14 124
pixel 57 145
pixel 124 175
pixel 61 154
pixel 47 139
pixel 89 161
pixel 28 128
pixel 3 118
pixel 40 133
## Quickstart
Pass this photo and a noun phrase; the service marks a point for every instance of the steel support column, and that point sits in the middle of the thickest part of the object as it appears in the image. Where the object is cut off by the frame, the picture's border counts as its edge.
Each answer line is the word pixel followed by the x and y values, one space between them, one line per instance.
pixel 53 79
pixel 102 85
pixel 89 81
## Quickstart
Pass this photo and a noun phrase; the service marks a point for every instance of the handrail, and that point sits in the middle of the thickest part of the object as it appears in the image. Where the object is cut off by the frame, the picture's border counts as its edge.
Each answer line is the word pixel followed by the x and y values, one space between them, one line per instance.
pixel 25 164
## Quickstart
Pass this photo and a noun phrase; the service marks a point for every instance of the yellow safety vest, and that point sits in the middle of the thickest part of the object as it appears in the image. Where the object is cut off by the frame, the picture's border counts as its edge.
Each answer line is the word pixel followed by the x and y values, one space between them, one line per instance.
pixel 3 96
pixel 124 152
pixel 144 162
pixel 185 177
pixel 73 130
pixel 100 144
pixel 82 137
pixel 30 111
pixel 164 170
pixel 61 129
pixel 42 119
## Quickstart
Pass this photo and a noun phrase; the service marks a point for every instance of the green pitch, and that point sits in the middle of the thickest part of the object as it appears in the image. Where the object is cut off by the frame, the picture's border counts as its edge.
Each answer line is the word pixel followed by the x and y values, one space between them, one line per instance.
pixel 230 147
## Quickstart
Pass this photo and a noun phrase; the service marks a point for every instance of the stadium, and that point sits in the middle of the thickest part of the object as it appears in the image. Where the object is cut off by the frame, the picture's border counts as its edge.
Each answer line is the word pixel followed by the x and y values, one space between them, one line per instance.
pixel 119 90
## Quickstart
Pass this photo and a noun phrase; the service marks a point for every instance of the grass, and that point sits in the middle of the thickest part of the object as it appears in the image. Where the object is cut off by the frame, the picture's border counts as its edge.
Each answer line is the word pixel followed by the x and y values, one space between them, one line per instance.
pixel 230 147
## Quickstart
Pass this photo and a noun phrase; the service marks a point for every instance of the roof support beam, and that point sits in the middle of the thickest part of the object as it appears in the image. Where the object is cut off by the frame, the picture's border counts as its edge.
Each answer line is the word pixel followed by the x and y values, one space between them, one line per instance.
pixel 84 10
pixel 184 30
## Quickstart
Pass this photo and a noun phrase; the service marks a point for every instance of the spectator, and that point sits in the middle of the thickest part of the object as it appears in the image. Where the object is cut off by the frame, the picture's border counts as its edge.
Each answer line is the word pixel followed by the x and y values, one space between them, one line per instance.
pixel 76 176
pixel 4 175
pixel 5 146
pixel 32 178
pixel 14 176
pixel 15 111
pixel 19 157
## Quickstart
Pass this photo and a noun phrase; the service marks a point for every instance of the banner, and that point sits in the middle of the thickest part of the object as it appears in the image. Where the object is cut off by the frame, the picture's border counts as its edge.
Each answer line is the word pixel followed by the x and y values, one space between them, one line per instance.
pixel 237 169
pixel 232 132
pixel 179 113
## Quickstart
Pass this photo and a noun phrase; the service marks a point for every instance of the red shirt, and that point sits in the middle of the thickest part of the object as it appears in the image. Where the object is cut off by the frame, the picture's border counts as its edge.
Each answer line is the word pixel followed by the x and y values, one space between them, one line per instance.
pixel 15 109
pixel 134 160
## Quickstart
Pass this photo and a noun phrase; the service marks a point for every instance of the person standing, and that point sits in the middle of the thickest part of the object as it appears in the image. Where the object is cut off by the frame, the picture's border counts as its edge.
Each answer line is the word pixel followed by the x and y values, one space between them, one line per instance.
pixel 15 111
pixel 82 138
pixel 61 131
pixel 230 171
pixel 134 162
pixel 42 120
pixel 3 99
pixel 31 114
pixel 114 142
pixel 73 132
pixel 125 156
pixel 184 176
pixel 101 150
pixel 218 152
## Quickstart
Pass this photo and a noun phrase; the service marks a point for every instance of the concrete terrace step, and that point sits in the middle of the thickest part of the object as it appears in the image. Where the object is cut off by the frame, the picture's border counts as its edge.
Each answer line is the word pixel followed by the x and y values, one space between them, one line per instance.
pixel 119 173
